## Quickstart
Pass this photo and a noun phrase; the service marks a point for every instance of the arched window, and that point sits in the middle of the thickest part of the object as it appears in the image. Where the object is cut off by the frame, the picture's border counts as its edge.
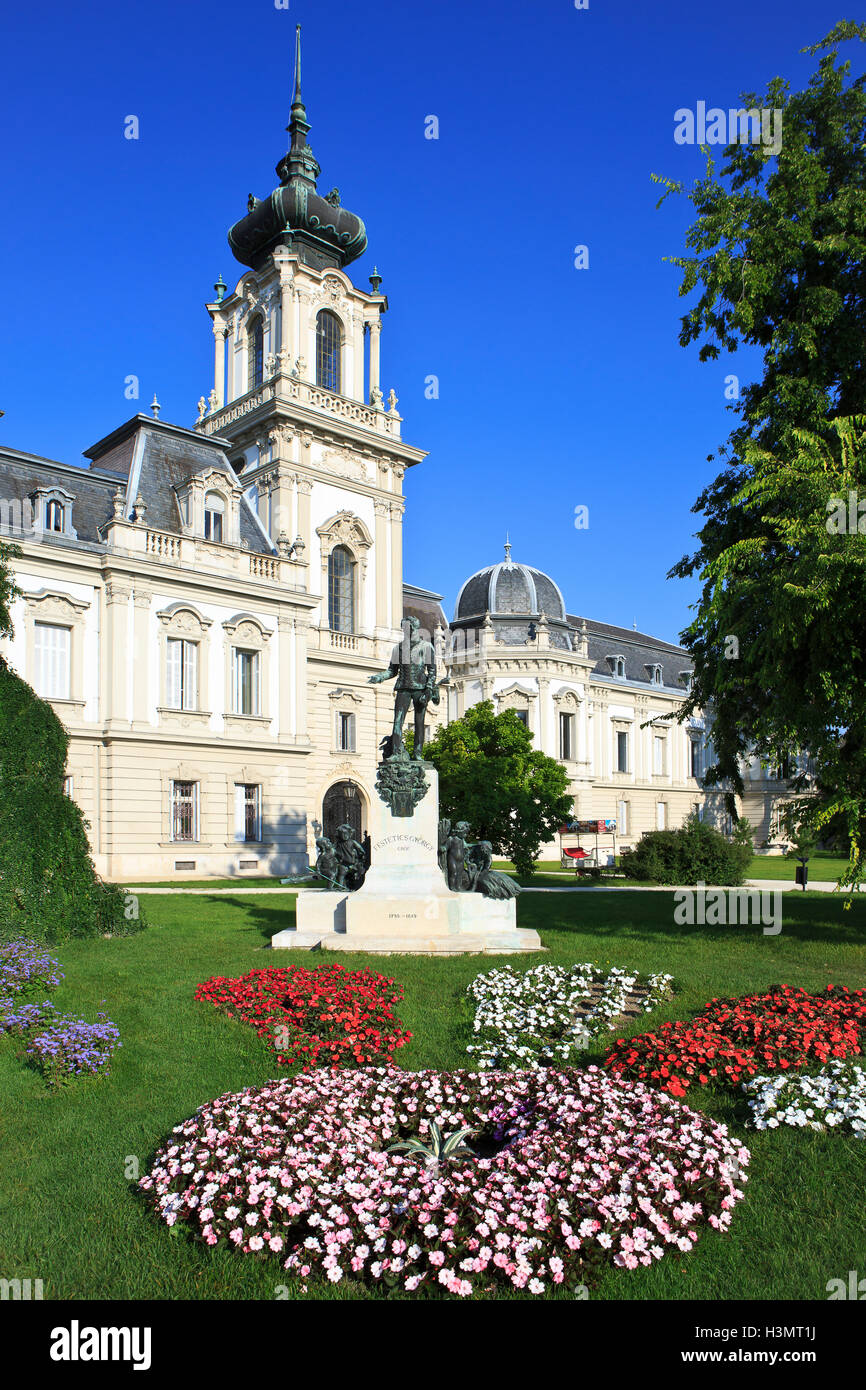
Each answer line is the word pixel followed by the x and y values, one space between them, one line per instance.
pixel 54 516
pixel 341 590
pixel 255 353
pixel 342 806
pixel 329 341
pixel 214 517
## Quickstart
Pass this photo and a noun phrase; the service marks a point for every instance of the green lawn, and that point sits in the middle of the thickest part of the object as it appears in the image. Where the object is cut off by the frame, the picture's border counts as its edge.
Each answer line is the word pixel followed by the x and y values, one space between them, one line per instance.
pixel 72 1219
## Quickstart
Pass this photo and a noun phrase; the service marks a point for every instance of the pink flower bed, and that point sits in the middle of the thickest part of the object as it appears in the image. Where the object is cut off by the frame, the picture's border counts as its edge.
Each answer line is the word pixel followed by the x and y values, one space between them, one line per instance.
pixel 571 1171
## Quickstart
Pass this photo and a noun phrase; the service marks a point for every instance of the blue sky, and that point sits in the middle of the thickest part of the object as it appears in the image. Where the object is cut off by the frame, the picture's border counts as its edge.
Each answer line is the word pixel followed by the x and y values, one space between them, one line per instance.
pixel 558 387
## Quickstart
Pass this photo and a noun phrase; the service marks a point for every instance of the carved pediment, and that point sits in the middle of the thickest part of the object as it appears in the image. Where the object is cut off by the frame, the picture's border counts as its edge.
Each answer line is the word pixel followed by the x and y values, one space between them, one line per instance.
pixel 345 528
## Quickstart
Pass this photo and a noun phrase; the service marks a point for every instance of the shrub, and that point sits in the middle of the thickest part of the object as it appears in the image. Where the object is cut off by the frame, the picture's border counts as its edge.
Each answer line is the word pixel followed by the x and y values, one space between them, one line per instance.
pixel 570 1172
pixel 48 886
pixel 696 853
pixel 328 1016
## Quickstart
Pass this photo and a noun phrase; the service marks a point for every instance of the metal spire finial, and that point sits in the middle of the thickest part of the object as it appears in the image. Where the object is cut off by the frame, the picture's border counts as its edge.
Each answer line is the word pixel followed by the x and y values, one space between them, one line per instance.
pixel 297 96
pixel 507 549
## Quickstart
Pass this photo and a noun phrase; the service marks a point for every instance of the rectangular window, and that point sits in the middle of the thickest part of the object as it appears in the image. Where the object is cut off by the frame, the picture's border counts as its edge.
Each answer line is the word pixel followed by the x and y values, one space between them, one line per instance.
pixel 523 716
pixel 699 810
pixel 181 666
pixel 248 812
pixel 184 811
pixel 622 818
pixel 566 742
pixel 697 758
pixel 346 732
pixel 213 526
pixel 622 752
pixel 658 754
pixel 52 659
pixel 246 682
pixel 68 786
pixel 661 815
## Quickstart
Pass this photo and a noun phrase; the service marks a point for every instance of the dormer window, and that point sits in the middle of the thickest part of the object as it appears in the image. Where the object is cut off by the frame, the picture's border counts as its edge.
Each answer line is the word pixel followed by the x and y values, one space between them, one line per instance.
pixel 655 673
pixel 617 666
pixel 329 342
pixel 214 517
pixel 52 511
pixel 687 678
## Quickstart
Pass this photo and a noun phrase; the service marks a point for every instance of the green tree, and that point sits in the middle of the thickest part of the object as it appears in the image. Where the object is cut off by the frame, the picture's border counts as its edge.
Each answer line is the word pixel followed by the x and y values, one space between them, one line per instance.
pixel 8 590
pixel 48 885
pixel 491 776
pixel 777 257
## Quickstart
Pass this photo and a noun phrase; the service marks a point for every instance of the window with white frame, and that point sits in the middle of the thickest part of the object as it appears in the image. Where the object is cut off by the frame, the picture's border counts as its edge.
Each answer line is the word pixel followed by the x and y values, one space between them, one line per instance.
pixel 214 518
pixel 52 655
pixel 68 787
pixel 566 736
pixel 661 815
pixel 246 681
pixel 658 753
pixel 622 751
pixel 622 818
pixel 181 674
pixel 248 812
pixel 699 810
pixel 345 732
pixel 184 811
pixel 54 515
pixel 523 716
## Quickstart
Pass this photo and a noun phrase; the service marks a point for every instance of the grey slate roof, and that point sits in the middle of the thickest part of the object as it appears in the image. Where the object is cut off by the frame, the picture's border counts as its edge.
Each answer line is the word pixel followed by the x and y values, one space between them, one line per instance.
pixel 639 649
pixel 509 588
pixel 169 455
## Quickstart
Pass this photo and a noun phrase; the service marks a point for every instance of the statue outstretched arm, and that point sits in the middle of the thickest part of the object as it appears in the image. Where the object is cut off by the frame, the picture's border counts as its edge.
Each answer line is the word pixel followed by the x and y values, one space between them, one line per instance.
pixel 388 675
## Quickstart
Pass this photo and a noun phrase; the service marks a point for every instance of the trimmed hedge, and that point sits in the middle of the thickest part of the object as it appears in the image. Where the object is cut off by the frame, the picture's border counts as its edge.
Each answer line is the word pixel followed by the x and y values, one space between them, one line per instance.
pixel 49 889
pixel 696 853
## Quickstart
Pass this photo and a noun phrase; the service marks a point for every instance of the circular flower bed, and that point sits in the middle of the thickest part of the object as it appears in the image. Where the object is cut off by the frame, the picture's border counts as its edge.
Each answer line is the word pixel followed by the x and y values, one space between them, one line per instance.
pixel 322 1017
pixel 834 1099
pixel 568 1171
pixel 735 1038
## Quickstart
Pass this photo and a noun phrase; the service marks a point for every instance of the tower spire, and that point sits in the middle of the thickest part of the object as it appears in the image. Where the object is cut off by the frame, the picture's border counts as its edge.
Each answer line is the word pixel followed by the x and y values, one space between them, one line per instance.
pixel 299 161
pixel 507 549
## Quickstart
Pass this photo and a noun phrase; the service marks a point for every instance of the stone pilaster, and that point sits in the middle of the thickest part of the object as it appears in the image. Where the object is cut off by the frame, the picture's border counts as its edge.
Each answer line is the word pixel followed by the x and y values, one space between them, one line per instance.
pixel 142 655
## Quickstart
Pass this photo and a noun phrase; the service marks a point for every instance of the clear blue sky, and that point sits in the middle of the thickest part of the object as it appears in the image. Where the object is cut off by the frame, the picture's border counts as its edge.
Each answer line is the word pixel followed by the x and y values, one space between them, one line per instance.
pixel 559 387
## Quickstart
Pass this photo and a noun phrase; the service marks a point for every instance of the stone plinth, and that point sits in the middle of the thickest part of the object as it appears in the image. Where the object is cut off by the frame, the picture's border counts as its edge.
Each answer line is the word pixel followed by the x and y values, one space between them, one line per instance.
pixel 405 905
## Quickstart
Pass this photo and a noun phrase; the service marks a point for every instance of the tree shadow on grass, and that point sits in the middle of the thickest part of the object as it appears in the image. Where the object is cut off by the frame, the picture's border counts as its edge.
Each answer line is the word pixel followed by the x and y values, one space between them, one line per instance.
pixel 265 918
pixel 645 917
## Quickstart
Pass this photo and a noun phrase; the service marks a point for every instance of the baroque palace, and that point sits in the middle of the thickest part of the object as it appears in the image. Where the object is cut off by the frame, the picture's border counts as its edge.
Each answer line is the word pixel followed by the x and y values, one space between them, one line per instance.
pixel 203 607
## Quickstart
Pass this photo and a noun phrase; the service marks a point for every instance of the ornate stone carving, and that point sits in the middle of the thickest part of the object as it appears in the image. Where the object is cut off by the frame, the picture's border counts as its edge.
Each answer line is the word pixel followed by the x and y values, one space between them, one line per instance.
pixel 401 783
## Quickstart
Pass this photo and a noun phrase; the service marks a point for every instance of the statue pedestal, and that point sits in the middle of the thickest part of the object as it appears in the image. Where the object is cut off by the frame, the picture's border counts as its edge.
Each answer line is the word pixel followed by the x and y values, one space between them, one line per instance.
pixel 405 905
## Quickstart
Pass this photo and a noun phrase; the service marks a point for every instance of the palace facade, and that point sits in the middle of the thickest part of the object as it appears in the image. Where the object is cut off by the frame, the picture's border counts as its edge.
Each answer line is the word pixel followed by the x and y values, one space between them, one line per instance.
pixel 203 607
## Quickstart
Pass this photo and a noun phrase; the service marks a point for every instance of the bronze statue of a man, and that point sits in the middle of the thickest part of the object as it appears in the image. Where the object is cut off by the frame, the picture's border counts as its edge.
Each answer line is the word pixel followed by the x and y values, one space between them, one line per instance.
pixel 413 663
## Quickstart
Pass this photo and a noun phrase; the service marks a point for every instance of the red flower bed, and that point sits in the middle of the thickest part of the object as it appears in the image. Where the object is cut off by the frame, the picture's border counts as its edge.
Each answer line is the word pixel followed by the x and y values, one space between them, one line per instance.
pixel 322 1017
pixel 735 1038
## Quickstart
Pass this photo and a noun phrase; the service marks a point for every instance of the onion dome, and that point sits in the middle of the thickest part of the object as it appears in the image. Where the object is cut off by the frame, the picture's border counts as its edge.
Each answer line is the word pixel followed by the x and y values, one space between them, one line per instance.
pixel 324 234
pixel 509 590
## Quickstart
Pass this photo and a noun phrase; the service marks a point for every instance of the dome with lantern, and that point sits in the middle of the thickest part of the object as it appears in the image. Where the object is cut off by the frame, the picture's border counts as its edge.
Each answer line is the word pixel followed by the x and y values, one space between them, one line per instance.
pixel 513 598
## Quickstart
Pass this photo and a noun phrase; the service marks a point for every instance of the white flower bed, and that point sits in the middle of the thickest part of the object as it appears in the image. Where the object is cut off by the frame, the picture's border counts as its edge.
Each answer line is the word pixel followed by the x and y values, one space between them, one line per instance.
pixel 834 1099
pixel 549 1014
